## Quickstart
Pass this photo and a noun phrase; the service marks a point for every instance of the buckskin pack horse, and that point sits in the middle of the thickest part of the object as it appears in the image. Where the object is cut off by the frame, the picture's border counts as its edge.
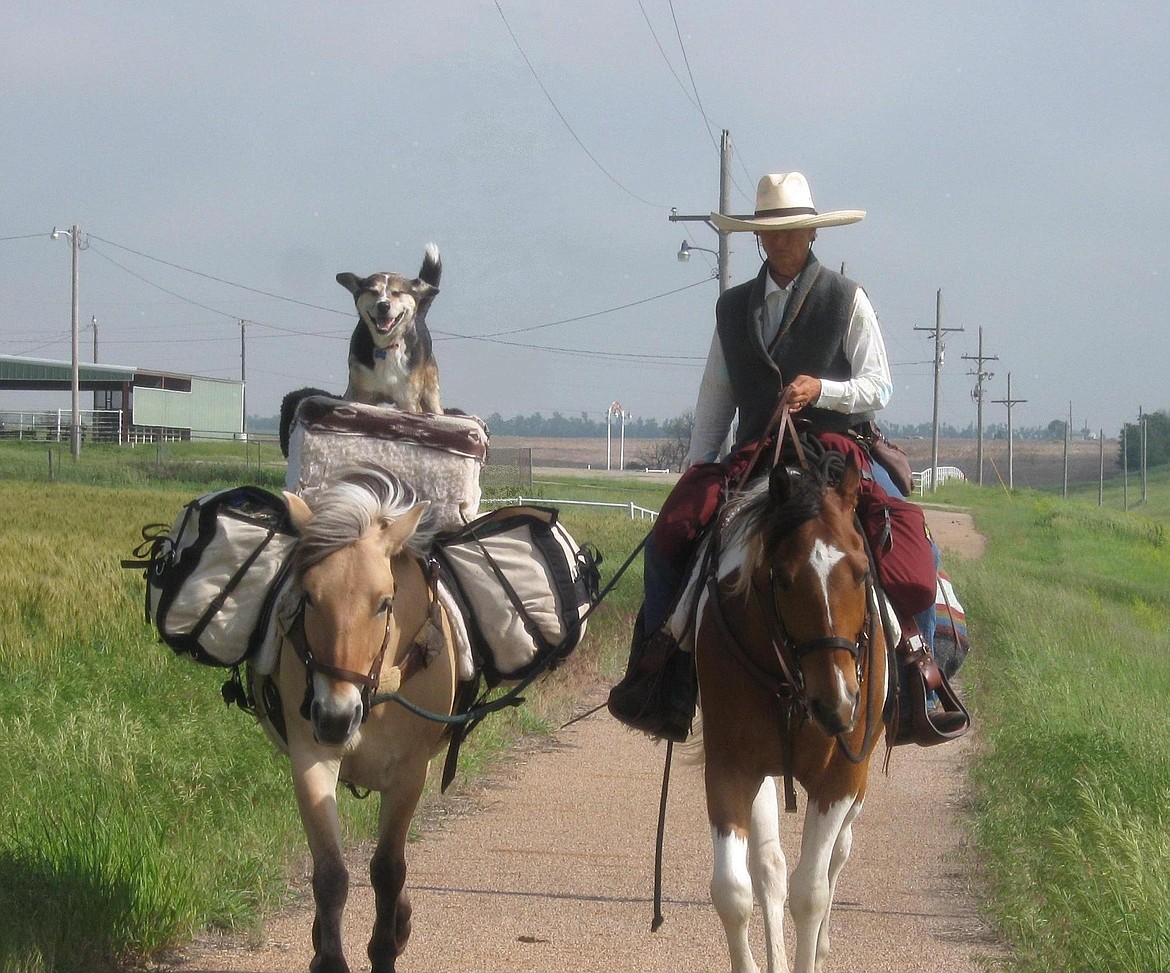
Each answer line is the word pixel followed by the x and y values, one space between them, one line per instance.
pixel 357 616
pixel 792 671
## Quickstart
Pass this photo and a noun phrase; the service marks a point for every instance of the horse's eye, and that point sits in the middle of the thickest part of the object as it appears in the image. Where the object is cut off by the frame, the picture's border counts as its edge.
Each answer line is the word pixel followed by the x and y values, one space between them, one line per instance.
pixel 385 605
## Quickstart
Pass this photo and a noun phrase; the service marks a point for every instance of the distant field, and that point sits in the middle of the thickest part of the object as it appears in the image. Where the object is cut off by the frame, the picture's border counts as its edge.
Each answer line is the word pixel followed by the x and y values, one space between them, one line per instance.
pixel 1035 464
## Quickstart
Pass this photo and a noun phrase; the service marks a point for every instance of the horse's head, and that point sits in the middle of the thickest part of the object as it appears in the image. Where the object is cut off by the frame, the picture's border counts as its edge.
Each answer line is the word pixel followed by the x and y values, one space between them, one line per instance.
pixel 819 573
pixel 344 572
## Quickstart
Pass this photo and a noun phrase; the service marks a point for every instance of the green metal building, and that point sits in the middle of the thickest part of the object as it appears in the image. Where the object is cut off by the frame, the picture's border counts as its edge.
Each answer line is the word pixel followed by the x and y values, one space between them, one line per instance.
pixel 141 404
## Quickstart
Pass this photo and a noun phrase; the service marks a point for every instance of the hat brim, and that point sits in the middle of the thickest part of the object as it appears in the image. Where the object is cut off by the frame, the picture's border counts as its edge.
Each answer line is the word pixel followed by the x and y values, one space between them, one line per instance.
pixel 758 224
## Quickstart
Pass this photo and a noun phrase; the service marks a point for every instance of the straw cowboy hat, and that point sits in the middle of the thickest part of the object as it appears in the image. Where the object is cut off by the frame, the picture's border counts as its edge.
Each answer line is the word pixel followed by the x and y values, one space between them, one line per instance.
pixel 784 202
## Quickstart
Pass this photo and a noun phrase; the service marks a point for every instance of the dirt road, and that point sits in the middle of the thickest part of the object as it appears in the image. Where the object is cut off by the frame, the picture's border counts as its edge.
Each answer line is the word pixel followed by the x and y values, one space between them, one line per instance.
pixel 551 867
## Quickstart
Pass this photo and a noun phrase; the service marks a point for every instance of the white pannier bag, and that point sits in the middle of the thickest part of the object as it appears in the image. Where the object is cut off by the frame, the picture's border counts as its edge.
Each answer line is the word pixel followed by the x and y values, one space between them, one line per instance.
pixel 212 578
pixel 526 587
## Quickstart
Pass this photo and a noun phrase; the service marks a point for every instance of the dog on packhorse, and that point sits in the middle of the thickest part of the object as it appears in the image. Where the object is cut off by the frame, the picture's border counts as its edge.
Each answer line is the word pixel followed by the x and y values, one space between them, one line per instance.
pixel 390 356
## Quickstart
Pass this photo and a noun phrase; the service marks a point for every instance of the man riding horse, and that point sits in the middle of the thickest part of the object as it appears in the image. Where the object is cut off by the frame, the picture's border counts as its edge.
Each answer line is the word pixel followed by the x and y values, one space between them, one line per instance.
pixel 800 332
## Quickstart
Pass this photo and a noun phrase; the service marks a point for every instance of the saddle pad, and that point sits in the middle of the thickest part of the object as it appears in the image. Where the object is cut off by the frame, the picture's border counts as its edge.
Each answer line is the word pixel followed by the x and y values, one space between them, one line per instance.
pixel 439 456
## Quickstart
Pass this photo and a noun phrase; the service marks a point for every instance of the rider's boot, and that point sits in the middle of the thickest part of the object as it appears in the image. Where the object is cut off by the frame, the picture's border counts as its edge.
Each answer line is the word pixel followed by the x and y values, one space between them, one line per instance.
pixel 657 694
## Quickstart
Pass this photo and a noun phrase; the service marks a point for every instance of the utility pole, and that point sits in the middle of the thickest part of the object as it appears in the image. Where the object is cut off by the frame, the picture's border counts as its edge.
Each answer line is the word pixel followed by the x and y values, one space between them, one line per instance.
pixel 1124 470
pixel 1009 402
pixel 1142 421
pixel 74 234
pixel 243 382
pixel 1067 434
pixel 97 404
pixel 1101 476
pixel 722 253
pixel 938 330
pixel 977 393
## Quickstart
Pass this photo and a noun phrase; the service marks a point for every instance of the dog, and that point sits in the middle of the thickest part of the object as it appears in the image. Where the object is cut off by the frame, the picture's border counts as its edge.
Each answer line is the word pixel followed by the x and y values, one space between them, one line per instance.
pixel 390 357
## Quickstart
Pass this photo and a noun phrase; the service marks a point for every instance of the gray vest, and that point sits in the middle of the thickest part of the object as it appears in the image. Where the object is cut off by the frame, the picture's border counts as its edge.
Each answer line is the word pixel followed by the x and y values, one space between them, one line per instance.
pixel 811 341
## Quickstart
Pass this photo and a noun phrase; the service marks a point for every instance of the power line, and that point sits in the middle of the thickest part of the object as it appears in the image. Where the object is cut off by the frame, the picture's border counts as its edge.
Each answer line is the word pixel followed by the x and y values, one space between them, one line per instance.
pixel 24 236
pixel 662 51
pixel 207 306
pixel 698 100
pixel 565 121
pixel 581 317
pixel 220 280
pixel 491 338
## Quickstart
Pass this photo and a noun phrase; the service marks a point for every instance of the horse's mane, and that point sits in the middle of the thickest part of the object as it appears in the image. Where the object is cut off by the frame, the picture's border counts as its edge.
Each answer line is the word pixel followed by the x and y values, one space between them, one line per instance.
pixel 350 506
pixel 751 516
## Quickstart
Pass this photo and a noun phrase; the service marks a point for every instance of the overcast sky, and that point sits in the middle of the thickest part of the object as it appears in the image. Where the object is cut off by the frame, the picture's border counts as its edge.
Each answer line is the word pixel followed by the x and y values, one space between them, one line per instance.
pixel 1013 155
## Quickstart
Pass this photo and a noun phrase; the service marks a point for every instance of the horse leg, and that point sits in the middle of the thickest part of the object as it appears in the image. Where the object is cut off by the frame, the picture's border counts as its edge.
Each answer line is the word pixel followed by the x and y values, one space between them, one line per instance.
pixel 388 871
pixel 840 855
pixel 822 855
pixel 729 808
pixel 769 871
pixel 315 783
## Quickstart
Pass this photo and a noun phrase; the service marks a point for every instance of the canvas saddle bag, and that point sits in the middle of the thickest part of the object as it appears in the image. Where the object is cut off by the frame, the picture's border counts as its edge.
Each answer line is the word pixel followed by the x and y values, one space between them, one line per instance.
pixel 523 585
pixel 212 577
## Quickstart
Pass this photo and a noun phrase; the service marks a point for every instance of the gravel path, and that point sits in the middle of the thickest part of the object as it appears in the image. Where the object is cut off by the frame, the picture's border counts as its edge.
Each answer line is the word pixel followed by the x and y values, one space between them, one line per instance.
pixel 550 868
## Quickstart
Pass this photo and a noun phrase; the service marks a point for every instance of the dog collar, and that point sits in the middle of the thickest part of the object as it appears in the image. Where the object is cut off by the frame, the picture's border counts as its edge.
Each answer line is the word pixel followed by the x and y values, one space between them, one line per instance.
pixel 381 352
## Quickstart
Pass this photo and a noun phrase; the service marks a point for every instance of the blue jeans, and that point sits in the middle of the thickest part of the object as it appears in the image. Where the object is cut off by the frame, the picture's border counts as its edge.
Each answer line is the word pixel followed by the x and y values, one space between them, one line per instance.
pixel 661 581
pixel 925 619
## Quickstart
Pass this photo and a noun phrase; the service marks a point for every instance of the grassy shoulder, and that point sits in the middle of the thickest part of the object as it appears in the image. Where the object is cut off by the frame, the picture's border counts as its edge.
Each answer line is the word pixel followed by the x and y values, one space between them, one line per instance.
pixel 1070 618
pixel 139 809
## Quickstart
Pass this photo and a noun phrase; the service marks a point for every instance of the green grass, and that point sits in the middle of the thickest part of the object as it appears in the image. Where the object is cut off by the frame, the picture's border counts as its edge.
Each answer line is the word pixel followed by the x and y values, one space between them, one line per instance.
pixel 1069 677
pixel 138 809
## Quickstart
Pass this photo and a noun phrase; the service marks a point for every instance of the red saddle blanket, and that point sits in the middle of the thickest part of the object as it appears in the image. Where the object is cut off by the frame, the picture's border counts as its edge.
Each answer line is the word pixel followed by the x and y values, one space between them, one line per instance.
pixel 895 528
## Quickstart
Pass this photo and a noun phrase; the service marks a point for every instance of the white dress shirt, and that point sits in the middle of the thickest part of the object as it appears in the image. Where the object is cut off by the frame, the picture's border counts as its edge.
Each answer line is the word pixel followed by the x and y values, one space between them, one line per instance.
pixel 868 390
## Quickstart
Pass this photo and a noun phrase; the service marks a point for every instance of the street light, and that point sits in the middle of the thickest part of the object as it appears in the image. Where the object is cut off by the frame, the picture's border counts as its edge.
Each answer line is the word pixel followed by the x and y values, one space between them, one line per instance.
pixel 685 251
pixel 74 235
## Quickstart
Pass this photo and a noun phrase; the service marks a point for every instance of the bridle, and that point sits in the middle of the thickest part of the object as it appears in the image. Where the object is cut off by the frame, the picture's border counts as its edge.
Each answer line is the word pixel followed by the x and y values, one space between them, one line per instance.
pixel 366 682
pixel 414 660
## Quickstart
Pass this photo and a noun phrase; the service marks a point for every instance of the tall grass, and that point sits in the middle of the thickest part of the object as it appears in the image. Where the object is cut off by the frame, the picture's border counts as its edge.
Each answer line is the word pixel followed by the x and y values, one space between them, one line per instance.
pixel 1070 613
pixel 138 809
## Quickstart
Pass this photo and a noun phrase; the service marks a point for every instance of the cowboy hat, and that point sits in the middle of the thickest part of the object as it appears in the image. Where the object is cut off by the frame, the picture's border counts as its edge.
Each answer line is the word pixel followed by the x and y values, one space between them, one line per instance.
pixel 784 202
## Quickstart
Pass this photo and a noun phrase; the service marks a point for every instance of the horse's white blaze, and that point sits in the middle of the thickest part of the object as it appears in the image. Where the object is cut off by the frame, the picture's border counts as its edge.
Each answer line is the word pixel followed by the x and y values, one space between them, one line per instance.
pixel 823 558
pixel 334 695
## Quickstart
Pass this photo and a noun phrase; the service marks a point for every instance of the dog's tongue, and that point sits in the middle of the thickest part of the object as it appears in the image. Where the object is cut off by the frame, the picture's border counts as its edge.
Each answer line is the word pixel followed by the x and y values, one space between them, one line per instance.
pixel 385 327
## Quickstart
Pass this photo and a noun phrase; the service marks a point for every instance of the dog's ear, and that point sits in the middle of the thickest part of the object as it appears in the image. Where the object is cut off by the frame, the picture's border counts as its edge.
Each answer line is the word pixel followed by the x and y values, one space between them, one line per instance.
pixel 351 282
pixel 424 294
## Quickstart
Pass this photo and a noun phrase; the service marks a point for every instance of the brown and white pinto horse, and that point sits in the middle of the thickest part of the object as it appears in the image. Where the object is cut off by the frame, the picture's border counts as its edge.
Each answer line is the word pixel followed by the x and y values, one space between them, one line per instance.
pixel 792 673
pixel 357 615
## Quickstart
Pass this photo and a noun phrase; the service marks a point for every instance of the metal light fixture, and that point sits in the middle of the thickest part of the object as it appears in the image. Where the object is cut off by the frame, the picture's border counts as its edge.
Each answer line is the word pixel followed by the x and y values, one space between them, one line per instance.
pixel 685 251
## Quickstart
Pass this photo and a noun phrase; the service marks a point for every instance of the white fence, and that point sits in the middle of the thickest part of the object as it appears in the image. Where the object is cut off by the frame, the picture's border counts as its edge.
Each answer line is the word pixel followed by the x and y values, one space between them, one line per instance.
pixel 636 512
pixel 924 481
pixel 97 425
